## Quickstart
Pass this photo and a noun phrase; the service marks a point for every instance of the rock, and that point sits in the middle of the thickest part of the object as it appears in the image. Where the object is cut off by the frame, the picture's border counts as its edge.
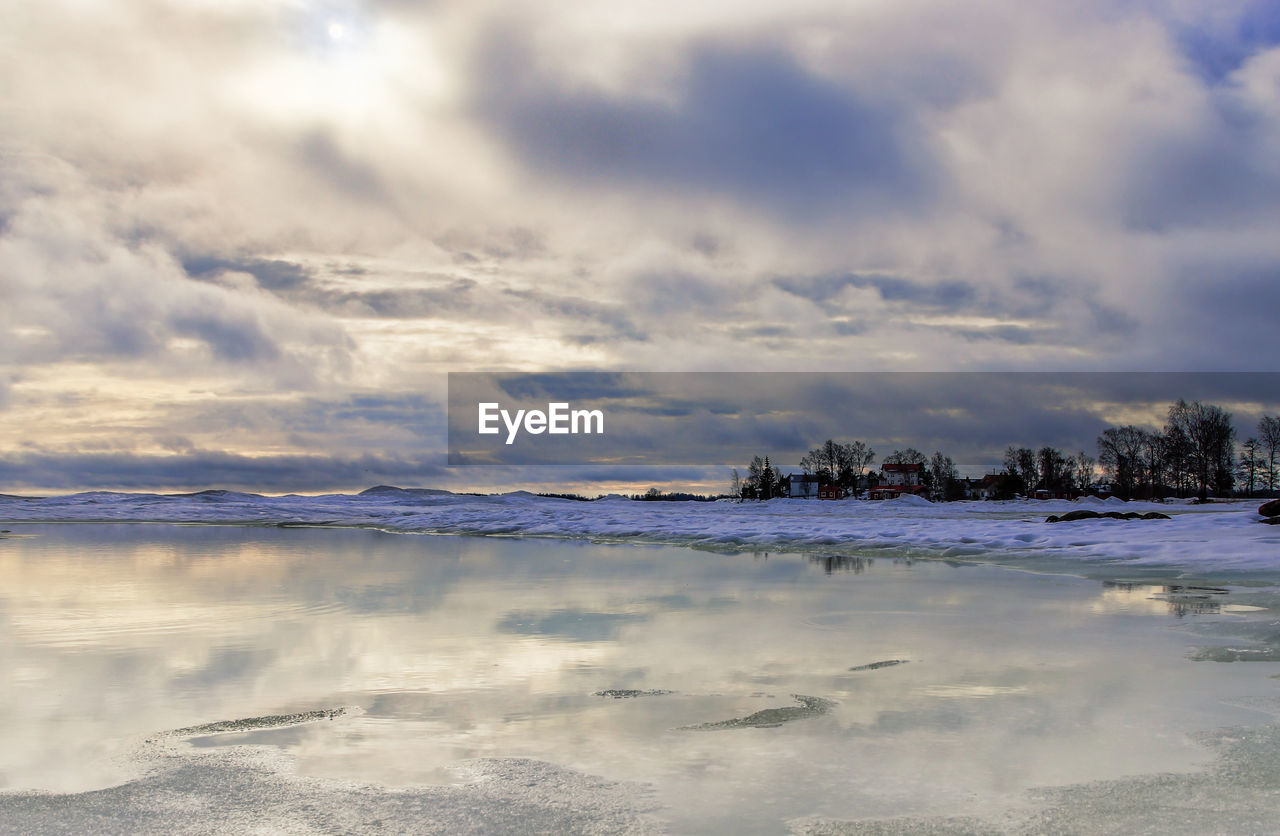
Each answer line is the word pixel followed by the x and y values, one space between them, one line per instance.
pixel 1084 514
pixel 1272 520
pixel 1270 509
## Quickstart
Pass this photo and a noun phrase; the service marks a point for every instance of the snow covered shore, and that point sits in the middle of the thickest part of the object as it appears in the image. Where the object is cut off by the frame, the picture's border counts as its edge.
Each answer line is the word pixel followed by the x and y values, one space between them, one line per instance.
pixel 1217 537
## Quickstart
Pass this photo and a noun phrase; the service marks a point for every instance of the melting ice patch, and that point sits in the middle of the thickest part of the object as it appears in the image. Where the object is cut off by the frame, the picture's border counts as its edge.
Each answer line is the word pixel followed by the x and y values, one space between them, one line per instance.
pixel 242 789
pixel 1236 794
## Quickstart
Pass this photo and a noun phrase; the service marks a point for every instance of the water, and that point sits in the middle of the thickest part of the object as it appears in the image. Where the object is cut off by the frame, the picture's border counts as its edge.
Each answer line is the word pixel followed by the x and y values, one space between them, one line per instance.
pixel 728 693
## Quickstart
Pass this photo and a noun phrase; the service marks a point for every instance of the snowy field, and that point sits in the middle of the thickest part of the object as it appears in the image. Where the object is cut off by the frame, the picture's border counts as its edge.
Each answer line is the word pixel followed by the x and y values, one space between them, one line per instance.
pixel 1214 538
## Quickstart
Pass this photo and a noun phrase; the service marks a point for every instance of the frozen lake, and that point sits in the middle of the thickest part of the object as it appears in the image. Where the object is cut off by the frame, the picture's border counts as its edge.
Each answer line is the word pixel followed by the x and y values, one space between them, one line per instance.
pixel 466 684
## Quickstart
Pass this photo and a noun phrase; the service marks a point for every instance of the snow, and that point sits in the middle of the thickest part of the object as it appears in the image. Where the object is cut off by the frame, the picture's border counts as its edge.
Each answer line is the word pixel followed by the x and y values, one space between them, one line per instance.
pixel 1217 537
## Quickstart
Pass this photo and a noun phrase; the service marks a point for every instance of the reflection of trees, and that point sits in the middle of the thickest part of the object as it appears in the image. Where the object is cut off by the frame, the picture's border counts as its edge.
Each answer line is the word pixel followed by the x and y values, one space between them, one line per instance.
pixel 832 563
pixel 1192 606
pixel 1191 600
pixel 1181 599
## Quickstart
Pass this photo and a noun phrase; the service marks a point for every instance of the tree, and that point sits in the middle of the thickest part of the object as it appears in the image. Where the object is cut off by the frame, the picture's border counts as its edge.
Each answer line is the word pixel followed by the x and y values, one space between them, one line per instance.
pixel 908 456
pixel 1082 470
pixel 735 483
pixel 820 462
pixel 1269 439
pixel 770 481
pixel 1054 470
pixel 1021 462
pixel 1152 463
pixel 1013 482
pixel 1211 445
pixel 942 472
pixel 1249 464
pixel 860 457
pixel 1177 459
pixel 1120 454
pixel 826 462
pixel 753 487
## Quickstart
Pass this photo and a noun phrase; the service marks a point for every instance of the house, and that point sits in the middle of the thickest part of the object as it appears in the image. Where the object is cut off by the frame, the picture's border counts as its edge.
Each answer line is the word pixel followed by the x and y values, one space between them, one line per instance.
pixel 990 487
pixel 897 479
pixel 831 492
pixel 803 486
pixel 1044 493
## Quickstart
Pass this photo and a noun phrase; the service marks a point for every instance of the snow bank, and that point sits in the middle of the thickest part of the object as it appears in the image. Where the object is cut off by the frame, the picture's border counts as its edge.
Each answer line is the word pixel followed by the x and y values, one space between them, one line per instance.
pixel 1199 538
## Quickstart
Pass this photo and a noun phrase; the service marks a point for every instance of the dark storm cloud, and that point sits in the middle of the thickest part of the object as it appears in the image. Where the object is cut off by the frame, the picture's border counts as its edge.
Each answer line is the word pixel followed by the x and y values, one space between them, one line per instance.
pixel 272 474
pixel 746 122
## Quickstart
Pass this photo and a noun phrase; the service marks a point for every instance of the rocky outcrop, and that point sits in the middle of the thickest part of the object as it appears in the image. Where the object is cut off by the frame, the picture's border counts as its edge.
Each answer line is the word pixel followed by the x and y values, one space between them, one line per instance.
pixel 1270 509
pixel 1083 514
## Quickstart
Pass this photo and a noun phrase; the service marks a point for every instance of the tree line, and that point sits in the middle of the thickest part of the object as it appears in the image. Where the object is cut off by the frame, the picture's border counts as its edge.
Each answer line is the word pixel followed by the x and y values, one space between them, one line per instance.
pixel 1194 453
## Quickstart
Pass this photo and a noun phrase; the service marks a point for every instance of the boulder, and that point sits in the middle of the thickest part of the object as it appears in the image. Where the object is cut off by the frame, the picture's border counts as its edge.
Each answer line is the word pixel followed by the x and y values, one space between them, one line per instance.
pixel 1270 509
pixel 1085 514
pixel 1272 520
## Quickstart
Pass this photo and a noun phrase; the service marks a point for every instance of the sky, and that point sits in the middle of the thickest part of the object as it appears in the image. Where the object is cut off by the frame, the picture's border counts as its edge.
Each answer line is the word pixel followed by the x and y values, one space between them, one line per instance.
pixel 242 242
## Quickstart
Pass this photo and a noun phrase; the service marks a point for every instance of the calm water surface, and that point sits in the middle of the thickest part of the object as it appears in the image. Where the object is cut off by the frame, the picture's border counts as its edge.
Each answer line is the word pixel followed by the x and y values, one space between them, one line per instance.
pixel 446 649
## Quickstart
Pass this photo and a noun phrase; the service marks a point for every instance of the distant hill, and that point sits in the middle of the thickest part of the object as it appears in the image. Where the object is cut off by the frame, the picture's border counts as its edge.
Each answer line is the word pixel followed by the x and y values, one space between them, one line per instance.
pixel 392 490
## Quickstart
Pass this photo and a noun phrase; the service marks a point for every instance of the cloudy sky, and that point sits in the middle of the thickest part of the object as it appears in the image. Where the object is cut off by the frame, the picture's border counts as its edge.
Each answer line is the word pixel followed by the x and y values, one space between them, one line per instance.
pixel 243 241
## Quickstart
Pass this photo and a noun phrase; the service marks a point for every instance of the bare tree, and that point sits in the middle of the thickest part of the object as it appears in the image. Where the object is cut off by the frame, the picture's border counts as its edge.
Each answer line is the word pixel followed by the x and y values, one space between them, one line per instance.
pixel 943 472
pixel 1269 438
pixel 1120 454
pixel 1248 466
pixel 1083 470
pixel 1211 440
pixel 1152 469
pixel 1053 469
pixel 1177 459
pixel 860 457
pixel 908 456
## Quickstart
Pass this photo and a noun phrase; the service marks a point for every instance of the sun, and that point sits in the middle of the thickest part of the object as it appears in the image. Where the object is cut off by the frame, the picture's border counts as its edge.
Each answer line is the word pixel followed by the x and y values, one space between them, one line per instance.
pixel 336 31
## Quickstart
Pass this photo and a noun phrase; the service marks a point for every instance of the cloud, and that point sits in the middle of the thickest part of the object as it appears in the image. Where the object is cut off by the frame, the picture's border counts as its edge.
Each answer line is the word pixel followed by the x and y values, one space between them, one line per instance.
pixel 1219 38
pixel 79 289
pixel 246 233
pixel 272 274
pixel 748 122
pixel 946 294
